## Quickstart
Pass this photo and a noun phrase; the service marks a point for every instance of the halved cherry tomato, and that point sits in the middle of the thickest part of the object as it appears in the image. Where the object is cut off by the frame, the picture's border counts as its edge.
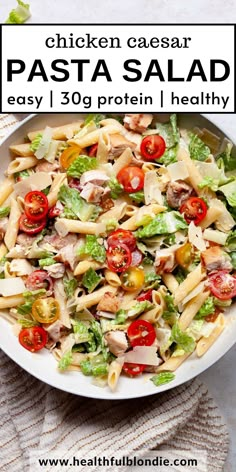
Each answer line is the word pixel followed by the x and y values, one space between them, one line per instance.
pixel 184 255
pixel 46 310
pixel 118 257
pixel 141 333
pixel 132 178
pixel 29 226
pixel 93 150
pixel 194 209
pixel 54 212
pixel 36 205
pixel 122 236
pixel 39 279
pixel 145 296
pixel 152 147
pixel 133 369
pixel 69 155
pixel 132 279
pixel 33 339
pixel 222 285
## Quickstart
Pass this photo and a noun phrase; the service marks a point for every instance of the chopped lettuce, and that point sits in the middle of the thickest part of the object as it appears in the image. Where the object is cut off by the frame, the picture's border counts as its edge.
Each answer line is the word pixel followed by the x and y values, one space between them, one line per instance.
pixel 30 297
pixel 81 331
pixel 75 206
pixel 95 366
pixel 96 330
pixel 139 308
pixel 231 241
pixel 171 312
pixel 121 317
pixel 65 361
pixel 91 280
pixel 20 14
pixel 183 340
pixel 80 165
pixel 164 223
pixel 226 160
pixel 116 188
pixel 206 309
pixel 209 182
pixel 152 279
pixel 23 174
pixel 111 224
pixel 47 261
pixel 169 132
pixel 36 142
pixel 162 378
pixel 4 212
pixel 137 197
pixel 94 118
pixel 233 259
pixel 229 191
pixel 169 156
pixel 70 285
pixel 197 148
pixel 93 249
pixel 26 320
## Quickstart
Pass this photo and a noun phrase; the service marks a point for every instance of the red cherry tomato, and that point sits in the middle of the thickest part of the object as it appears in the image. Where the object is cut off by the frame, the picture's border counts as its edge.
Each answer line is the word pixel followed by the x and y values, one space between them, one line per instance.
pixel 133 369
pixel 194 209
pixel 118 257
pixel 29 226
pixel 93 150
pixel 122 236
pixel 36 206
pixel 152 147
pixel 222 285
pixel 39 279
pixel 132 178
pixel 137 258
pixel 54 212
pixel 141 333
pixel 33 339
pixel 145 296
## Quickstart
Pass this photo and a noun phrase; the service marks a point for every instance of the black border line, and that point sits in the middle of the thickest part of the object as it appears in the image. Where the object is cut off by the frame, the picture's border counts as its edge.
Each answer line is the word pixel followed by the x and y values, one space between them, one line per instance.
pixel 119 24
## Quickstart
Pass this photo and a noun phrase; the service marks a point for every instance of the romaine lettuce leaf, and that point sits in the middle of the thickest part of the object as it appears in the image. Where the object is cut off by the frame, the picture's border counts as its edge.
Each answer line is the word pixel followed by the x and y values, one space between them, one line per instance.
pixel 139 308
pixel 65 361
pixel 93 249
pixel 4 211
pixel 169 132
pixel 95 118
pixel 229 191
pixel 197 148
pixel 75 206
pixel 116 188
pixel 91 279
pixel 36 142
pixel 20 14
pixel 164 223
pixel 70 285
pixel 169 156
pixel 137 197
pixel 81 331
pixel 206 309
pixel 80 165
pixel 183 340
pixel 225 160
pixel 162 378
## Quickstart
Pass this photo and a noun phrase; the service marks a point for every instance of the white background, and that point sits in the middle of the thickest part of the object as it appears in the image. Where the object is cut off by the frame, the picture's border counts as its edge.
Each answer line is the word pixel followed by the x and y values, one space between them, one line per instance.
pixel 30 45
pixel 221 378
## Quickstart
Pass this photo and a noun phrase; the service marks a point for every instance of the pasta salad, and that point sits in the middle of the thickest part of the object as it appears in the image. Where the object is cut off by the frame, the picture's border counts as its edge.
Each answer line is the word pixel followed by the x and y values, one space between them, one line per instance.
pixel 118 244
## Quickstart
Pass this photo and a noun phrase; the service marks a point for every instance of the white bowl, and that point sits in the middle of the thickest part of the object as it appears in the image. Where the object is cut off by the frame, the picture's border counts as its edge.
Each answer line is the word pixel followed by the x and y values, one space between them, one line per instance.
pixel 43 365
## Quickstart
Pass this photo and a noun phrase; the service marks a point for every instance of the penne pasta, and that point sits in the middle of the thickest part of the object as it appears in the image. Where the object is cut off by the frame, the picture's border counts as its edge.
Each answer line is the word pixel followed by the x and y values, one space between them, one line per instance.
pixel 148 210
pixel 94 298
pixel 114 372
pixel 64 226
pixel 205 343
pixel 11 302
pixel 192 280
pixel 83 266
pixel 21 163
pixel 55 187
pixel 60 132
pixel 195 177
pixel 103 148
pixel 13 225
pixel 6 188
pixel 173 363
pixel 124 160
pixel 112 278
pixel 191 309
pixel 22 150
pixel 93 137
pixel 170 281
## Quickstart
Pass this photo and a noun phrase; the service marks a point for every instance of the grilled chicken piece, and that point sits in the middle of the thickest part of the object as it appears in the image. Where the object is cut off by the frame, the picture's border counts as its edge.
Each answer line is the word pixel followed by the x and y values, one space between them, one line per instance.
pixel 109 302
pixel 137 122
pixel 165 259
pixel 177 192
pixel 117 342
pixel 45 166
pixel 215 258
pixel 119 144
pixel 96 177
pixel 58 242
pixel 92 193
pixel 54 330
pixel 56 271
pixel 67 256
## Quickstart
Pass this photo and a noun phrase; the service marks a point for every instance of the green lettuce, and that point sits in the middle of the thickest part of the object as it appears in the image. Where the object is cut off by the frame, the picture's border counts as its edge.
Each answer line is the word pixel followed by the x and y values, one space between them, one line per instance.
pixel 197 148
pixel 206 309
pixel 23 174
pixel 47 261
pixel 81 331
pixel 152 280
pixel 170 307
pixel 91 279
pixel 95 118
pixel 139 308
pixel 36 142
pixel 162 378
pixel 20 14
pixel 231 241
pixel 65 361
pixel 96 330
pixel 75 206
pixel 116 188
pixel 70 285
pixel 229 191
pixel 169 156
pixel 183 340
pixel 137 197
pixel 4 212
pixel 95 366
pixel 121 317
pixel 169 132
pixel 209 182
pixel 93 249
pixel 225 160
pixel 164 223
pixel 80 165
pixel 233 259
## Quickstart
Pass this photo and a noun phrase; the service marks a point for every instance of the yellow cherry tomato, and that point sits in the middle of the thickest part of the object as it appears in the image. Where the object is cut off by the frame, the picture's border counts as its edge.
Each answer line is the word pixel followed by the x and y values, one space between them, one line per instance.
pixel 184 255
pixel 69 155
pixel 46 310
pixel 132 279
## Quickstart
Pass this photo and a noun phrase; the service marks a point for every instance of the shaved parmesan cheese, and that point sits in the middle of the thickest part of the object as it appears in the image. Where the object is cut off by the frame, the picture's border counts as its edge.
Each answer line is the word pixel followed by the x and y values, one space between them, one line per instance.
pixel 207 169
pixel 178 171
pixel 152 193
pixel 143 355
pixel 225 221
pixel 37 181
pixel 52 151
pixel 216 236
pixel 195 237
pixel 21 267
pixel 44 143
pixel 194 292
pixel 12 286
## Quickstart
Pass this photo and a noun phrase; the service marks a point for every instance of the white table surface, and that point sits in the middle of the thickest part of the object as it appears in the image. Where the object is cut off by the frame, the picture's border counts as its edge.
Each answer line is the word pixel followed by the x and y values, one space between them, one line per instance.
pixel 221 378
